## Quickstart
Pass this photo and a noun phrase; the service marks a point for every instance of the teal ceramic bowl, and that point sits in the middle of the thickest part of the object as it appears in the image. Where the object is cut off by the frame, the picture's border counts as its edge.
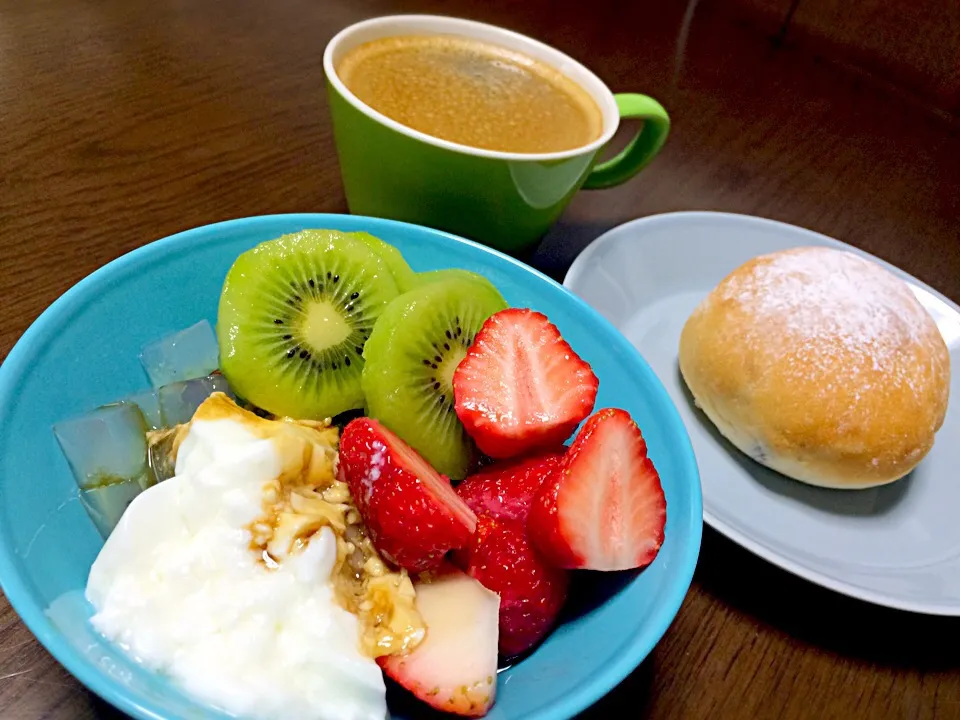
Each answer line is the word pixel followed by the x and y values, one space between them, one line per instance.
pixel 83 352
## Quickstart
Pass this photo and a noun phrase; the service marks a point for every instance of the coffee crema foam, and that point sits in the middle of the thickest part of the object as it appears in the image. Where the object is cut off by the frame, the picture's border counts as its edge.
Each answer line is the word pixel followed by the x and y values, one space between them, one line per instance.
pixel 472 93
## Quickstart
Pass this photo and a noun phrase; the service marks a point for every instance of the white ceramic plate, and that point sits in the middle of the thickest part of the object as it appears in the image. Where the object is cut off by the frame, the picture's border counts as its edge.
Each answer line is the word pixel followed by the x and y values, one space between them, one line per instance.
pixel 897 545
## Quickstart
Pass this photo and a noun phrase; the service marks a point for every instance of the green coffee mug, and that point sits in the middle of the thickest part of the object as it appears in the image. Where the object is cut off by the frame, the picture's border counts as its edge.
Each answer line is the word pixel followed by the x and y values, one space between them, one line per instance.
pixel 504 200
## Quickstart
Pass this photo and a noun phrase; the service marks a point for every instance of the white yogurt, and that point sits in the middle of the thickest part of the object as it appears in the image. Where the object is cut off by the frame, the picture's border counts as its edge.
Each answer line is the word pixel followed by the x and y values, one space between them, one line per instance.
pixel 177 586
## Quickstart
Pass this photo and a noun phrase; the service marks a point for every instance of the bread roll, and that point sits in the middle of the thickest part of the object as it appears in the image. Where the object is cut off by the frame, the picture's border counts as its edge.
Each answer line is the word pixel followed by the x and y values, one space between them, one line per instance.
pixel 821 365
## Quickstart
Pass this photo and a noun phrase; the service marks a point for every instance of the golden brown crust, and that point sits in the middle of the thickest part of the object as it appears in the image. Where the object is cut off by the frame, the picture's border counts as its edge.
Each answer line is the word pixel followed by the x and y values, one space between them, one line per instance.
pixel 821 365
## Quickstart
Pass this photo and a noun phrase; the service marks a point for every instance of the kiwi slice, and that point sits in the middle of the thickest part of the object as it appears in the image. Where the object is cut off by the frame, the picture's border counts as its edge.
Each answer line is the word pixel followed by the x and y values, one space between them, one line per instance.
pixel 432 276
pixel 294 316
pixel 409 361
pixel 403 275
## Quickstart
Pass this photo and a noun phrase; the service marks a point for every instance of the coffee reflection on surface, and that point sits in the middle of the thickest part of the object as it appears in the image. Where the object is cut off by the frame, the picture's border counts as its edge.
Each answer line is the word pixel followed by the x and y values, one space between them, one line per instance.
pixel 471 93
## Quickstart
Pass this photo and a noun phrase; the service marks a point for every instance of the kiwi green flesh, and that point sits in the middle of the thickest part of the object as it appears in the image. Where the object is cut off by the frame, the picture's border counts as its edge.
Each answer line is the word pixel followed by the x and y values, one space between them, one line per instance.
pixel 403 275
pixel 295 314
pixel 432 276
pixel 409 362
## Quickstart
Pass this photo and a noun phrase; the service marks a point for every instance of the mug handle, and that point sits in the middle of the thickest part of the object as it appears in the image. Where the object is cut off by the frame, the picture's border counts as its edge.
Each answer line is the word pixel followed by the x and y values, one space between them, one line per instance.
pixel 641 150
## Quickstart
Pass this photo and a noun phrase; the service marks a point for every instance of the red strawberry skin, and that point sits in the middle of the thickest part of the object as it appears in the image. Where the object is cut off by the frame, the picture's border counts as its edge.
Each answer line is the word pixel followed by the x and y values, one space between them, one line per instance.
pixel 506 489
pixel 521 387
pixel 412 514
pixel 532 591
pixel 605 509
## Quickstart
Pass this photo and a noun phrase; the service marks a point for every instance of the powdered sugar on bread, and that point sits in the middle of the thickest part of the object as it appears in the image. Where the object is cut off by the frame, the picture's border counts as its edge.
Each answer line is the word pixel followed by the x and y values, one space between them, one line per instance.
pixel 826 304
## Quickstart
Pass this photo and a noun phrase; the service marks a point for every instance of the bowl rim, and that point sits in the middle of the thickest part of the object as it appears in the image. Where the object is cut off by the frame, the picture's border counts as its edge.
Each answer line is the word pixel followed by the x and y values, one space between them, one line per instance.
pixel 577 699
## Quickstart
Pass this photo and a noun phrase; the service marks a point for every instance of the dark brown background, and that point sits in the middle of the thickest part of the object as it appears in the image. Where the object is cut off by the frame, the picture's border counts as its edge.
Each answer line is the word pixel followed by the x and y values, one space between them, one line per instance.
pixel 124 122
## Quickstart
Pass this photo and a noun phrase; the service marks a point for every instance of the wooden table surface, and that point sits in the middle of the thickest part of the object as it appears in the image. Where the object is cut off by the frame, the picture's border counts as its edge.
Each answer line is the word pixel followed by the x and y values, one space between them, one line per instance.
pixel 124 122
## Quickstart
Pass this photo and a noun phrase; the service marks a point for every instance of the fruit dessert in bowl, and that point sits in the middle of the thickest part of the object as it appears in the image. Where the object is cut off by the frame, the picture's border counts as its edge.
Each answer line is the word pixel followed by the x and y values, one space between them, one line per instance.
pixel 377 470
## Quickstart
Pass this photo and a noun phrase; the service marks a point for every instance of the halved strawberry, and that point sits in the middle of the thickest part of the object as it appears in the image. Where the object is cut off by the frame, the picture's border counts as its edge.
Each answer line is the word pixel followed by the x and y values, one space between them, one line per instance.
pixel 506 489
pixel 605 510
pixel 532 591
pixel 412 514
pixel 454 668
pixel 521 387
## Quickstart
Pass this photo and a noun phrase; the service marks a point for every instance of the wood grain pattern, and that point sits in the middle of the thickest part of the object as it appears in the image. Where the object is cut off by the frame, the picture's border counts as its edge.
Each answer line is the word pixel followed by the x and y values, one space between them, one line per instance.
pixel 768 16
pixel 121 123
pixel 914 44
